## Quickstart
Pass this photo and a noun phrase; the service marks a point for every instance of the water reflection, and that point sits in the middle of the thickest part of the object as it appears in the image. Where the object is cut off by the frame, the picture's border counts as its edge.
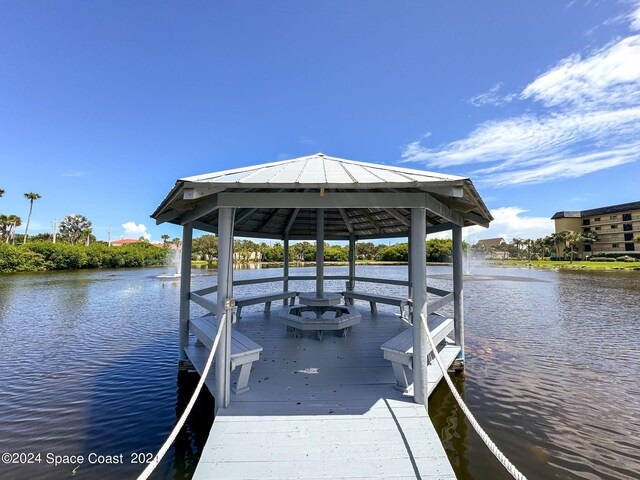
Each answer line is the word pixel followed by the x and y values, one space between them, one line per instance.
pixel 553 359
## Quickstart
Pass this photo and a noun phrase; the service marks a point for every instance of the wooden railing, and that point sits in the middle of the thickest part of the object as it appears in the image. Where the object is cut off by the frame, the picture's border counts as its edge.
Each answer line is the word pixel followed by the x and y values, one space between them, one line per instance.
pixel 198 295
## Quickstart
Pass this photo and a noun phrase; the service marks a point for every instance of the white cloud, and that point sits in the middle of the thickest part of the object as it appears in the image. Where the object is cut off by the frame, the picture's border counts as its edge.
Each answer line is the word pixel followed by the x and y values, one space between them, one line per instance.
pixel 135 230
pixel 70 173
pixel 634 18
pixel 508 223
pixel 588 120
pixel 607 78
pixel 491 97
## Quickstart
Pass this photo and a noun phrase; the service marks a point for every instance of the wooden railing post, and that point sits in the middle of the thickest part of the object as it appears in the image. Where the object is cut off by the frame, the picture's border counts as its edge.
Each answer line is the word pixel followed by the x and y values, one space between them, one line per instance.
pixel 224 306
pixel 419 282
pixel 458 293
pixel 185 291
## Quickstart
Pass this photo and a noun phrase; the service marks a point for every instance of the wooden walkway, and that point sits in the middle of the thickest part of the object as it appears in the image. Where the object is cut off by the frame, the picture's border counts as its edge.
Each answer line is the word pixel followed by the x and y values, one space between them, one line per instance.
pixel 321 410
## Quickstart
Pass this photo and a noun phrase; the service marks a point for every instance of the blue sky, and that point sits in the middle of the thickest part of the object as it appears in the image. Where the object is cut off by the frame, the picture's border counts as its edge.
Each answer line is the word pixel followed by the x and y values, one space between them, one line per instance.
pixel 105 104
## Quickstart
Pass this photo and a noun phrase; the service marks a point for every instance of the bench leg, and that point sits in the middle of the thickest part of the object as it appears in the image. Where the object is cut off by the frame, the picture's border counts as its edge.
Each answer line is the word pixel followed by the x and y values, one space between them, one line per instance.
pixel 292 301
pixel 267 307
pixel 374 308
pixel 238 313
pixel 243 379
pixel 401 372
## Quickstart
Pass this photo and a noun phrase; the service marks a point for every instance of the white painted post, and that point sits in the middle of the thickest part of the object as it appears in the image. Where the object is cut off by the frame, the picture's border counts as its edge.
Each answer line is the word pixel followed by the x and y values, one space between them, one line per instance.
pixel 224 306
pixel 319 252
pixel 352 262
pixel 409 290
pixel 458 296
pixel 419 282
pixel 285 272
pixel 185 291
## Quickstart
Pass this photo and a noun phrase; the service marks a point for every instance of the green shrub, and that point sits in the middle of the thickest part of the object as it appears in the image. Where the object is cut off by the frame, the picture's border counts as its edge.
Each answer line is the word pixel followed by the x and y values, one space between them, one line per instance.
pixel 602 259
pixel 39 256
pixel 18 259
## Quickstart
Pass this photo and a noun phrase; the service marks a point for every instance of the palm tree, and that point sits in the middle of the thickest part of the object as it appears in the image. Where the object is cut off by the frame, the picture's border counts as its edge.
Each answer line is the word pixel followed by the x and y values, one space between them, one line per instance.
pixel 589 237
pixel 72 227
pixel 517 242
pixel 165 238
pixel 87 233
pixel 560 237
pixel 10 222
pixel 539 246
pixel 31 197
pixel 1 192
pixel 528 243
pixel 573 239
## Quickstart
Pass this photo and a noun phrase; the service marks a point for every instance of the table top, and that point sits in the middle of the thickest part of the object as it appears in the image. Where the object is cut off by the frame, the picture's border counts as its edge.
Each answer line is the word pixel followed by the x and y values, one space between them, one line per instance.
pixel 326 300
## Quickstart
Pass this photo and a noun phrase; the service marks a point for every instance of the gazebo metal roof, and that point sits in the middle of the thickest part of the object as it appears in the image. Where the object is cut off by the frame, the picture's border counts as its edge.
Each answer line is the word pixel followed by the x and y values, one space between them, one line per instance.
pixel 279 199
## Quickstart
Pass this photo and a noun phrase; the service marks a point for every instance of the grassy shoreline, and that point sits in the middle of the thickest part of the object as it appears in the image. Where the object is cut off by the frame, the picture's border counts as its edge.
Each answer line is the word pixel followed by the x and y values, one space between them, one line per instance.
pixel 557 264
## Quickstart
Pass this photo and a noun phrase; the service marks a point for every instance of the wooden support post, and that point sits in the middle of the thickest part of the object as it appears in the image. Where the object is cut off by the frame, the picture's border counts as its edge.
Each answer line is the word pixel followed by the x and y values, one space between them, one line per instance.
pixel 224 306
pixel 185 291
pixel 285 271
pixel 458 292
pixel 319 252
pixel 419 282
pixel 352 262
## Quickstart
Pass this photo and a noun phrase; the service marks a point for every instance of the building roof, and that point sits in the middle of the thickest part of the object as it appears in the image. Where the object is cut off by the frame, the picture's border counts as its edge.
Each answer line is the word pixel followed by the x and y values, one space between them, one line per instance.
pixel 568 214
pixel 492 242
pixel 622 207
pixel 365 199
pixel 124 241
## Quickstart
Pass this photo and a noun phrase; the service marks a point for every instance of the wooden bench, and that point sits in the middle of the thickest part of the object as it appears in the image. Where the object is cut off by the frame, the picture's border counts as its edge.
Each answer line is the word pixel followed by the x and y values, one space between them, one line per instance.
pixel 244 351
pixel 350 296
pixel 399 350
pixel 266 299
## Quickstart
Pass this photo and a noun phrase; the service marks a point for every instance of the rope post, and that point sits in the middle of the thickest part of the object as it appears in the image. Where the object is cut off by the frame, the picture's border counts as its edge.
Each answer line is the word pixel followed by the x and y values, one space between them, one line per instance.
pixel 419 283
pixel 185 291
pixel 458 297
pixel 224 308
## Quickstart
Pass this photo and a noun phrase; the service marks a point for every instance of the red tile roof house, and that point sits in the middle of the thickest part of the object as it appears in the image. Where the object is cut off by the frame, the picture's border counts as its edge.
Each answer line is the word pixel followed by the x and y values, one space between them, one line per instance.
pixel 128 241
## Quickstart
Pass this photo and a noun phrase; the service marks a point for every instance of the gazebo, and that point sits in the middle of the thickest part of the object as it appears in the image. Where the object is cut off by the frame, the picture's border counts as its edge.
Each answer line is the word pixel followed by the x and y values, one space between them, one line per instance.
pixel 320 198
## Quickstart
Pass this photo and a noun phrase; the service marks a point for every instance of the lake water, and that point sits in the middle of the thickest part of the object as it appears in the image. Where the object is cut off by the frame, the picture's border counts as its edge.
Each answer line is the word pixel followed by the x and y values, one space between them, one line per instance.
pixel 552 371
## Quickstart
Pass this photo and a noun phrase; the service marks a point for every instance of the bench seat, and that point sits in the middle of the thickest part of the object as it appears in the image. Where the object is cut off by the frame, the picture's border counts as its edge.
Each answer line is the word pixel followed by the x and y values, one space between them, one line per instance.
pixel 399 349
pixel 403 303
pixel 266 299
pixel 244 351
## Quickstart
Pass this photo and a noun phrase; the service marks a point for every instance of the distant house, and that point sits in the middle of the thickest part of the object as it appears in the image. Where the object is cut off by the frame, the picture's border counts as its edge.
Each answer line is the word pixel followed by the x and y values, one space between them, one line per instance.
pixel 124 241
pixel 128 241
pixel 491 247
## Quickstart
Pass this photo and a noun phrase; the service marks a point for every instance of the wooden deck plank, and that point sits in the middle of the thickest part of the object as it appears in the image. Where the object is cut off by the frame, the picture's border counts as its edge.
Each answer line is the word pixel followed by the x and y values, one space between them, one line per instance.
pixel 321 410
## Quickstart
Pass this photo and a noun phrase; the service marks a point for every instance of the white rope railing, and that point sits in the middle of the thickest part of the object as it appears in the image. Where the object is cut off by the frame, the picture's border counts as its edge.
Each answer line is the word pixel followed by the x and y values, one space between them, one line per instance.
pixel 183 418
pixel 515 473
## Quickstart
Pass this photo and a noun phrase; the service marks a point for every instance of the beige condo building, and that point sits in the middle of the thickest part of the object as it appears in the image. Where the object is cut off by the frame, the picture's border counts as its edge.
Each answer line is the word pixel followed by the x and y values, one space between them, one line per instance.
pixel 616 227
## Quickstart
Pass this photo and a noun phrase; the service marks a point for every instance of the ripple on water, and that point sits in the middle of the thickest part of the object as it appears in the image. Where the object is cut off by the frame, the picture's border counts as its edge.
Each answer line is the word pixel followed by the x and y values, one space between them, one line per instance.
pixel 553 360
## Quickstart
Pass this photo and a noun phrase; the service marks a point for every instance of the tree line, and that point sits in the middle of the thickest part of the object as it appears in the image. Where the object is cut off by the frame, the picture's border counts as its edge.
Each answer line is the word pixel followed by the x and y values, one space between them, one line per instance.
pixel 563 245
pixel 205 247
